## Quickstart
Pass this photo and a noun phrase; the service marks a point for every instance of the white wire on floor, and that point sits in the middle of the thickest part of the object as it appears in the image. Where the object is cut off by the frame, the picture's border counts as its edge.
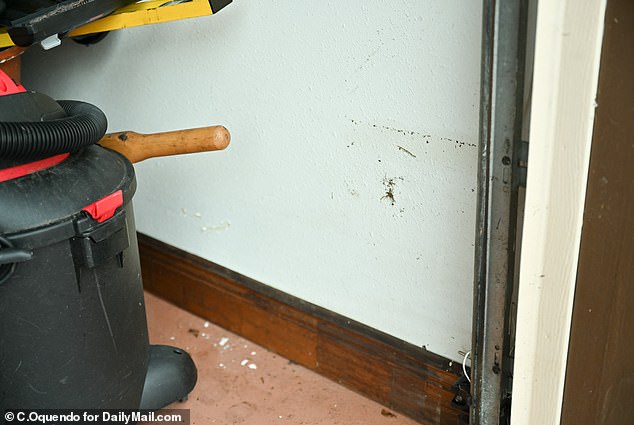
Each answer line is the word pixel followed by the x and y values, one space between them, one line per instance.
pixel 464 365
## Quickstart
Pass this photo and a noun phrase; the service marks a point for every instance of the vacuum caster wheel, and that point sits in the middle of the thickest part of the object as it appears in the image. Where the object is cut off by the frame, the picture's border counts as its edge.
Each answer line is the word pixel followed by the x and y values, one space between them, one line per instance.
pixel 170 377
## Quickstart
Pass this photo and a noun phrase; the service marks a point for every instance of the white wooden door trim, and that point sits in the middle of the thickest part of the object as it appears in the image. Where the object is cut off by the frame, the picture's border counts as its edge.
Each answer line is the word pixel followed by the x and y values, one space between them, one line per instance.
pixel 569 35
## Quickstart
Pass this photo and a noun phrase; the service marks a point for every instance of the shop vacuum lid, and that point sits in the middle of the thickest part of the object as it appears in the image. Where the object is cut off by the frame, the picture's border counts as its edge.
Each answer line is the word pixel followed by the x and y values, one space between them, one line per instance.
pixel 50 193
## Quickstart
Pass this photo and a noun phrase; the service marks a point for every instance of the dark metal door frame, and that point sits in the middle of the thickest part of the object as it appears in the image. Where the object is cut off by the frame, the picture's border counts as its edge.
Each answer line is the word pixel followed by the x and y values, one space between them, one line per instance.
pixel 501 173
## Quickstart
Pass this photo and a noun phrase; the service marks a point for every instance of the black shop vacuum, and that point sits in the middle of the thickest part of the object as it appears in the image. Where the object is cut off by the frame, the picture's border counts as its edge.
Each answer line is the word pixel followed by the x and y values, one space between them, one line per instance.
pixel 73 331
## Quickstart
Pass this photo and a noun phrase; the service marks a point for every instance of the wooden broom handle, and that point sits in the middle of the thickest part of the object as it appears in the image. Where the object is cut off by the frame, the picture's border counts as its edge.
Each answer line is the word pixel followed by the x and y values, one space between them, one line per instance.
pixel 137 147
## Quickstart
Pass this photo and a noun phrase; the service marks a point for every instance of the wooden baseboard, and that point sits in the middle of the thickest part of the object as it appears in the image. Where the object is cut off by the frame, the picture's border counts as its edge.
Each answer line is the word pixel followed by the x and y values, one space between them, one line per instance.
pixel 401 376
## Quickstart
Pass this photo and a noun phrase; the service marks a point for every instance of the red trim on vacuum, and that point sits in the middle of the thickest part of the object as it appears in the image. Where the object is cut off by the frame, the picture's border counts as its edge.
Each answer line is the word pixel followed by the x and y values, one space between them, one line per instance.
pixel 8 86
pixel 30 168
pixel 104 208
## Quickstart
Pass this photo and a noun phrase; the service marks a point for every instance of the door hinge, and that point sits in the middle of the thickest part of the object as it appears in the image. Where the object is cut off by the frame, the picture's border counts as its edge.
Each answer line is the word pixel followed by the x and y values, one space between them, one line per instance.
pixel 521 169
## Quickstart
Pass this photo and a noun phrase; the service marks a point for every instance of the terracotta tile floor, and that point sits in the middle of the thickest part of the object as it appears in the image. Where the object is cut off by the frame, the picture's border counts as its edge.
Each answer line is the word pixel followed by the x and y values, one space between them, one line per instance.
pixel 240 382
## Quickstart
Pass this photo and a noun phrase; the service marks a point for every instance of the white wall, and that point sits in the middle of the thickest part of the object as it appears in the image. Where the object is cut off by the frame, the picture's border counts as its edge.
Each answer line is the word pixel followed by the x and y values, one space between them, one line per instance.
pixel 329 104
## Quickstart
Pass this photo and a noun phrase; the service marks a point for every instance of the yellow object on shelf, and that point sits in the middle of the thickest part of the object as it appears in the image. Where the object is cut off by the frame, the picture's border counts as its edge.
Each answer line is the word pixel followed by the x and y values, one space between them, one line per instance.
pixel 144 13
pixel 137 14
pixel 5 40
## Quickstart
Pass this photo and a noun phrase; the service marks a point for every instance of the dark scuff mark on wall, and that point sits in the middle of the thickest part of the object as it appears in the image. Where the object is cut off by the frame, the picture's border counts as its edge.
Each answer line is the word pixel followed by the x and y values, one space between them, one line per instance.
pixel 389 184
pixel 402 149
pixel 395 130
pixel 459 143
pixel 405 132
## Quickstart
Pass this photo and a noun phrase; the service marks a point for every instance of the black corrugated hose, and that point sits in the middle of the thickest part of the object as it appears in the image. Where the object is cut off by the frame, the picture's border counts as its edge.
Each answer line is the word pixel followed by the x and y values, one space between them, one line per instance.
pixel 85 125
